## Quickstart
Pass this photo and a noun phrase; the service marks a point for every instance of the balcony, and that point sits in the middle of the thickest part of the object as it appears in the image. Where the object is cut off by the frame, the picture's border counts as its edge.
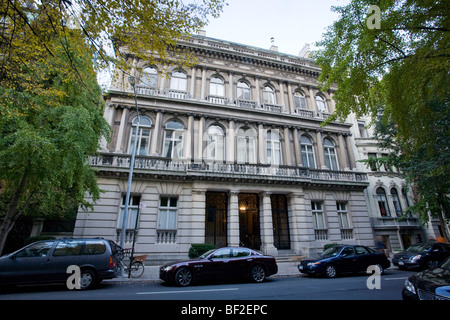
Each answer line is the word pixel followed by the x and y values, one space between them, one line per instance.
pixel 182 169
pixel 395 222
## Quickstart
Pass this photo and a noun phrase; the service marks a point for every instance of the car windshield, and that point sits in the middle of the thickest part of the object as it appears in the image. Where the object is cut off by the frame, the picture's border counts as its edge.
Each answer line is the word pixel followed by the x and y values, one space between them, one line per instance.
pixel 331 252
pixel 207 253
pixel 419 248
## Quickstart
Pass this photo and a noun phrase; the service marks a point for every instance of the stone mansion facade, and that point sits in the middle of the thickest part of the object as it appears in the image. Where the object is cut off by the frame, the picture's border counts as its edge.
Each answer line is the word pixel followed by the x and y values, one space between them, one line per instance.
pixel 230 152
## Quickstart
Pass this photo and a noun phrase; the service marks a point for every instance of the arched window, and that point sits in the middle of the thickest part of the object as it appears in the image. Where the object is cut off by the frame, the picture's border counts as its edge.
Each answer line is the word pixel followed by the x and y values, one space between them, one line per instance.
pixel 149 77
pixel 396 201
pixel 243 91
pixel 274 155
pixel 299 100
pixel 173 140
pixel 246 146
pixel 217 87
pixel 330 154
pixel 178 81
pixel 143 136
pixel 215 146
pixel 321 104
pixel 268 95
pixel 307 149
pixel 382 203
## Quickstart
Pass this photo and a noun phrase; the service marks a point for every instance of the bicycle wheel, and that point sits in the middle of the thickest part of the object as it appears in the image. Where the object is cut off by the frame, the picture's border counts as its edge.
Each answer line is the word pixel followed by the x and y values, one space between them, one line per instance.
pixel 136 269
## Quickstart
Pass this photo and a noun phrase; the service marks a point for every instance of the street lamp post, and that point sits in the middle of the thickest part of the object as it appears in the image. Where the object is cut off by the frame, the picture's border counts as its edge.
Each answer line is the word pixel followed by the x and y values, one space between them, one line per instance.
pixel 132 81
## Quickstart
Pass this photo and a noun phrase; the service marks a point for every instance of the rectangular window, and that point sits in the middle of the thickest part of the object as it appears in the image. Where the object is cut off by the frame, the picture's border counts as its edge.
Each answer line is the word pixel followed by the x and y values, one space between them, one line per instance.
pixel 344 222
pixel 318 215
pixel 133 212
pixel 320 228
pixel 167 217
pixel 362 130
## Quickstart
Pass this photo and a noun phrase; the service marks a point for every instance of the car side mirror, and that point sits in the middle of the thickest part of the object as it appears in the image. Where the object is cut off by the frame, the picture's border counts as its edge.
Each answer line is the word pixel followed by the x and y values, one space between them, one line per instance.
pixel 344 255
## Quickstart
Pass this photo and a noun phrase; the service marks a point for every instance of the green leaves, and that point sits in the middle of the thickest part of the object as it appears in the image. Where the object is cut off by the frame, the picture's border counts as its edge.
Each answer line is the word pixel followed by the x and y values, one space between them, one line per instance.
pixel 401 70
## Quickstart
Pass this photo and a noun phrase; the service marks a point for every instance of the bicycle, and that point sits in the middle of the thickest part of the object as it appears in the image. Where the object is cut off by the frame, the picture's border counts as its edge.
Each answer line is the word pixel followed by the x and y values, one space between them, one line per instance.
pixel 135 267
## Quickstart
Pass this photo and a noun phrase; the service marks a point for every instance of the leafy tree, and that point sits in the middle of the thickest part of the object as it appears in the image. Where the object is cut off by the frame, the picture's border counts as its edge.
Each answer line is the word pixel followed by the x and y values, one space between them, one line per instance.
pixel 397 60
pixel 426 165
pixel 51 107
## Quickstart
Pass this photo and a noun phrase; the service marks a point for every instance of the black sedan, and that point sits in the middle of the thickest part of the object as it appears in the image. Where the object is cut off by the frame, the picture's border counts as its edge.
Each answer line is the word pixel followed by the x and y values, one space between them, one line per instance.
pixel 344 259
pixel 431 284
pixel 422 256
pixel 222 263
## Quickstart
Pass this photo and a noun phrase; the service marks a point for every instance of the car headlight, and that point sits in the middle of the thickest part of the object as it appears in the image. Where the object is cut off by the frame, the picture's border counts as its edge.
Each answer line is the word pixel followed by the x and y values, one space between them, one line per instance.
pixel 168 268
pixel 311 264
pixel 409 286
pixel 415 258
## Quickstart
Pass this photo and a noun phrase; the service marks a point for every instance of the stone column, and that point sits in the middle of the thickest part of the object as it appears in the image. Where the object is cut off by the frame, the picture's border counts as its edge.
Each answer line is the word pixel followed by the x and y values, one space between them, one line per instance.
pixel 257 92
pixel 197 216
pixel 291 103
pixel 230 142
pixel 201 128
pixel 120 135
pixel 297 149
pixel 188 138
pixel 266 225
pixel 193 76
pixel 351 156
pixel 287 148
pixel 108 114
pixel 342 153
pixel 312 100
pixel 233 219
pixel 156 134
pixel 203 89
pixel 230 86
pixel 301 229
pixel 261 145
pixel 321 156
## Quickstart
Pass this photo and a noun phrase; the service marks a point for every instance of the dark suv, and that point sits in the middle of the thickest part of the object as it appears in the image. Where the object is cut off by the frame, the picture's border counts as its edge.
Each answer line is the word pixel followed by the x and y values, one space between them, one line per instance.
pixel 47 261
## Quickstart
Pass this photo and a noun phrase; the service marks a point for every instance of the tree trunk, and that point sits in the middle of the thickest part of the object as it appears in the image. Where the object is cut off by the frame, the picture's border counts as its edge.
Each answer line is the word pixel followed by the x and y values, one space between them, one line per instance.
pixel 12 215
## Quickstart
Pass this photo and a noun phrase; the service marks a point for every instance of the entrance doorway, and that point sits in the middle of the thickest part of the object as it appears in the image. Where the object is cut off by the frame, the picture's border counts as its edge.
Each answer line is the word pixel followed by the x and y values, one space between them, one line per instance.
pixel 249 230
pixel 280 221
pixel 216 218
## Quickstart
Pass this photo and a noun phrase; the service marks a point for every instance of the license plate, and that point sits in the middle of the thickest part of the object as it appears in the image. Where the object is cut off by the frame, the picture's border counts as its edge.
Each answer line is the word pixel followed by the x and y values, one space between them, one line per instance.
pixel 401 263
pixel 300 267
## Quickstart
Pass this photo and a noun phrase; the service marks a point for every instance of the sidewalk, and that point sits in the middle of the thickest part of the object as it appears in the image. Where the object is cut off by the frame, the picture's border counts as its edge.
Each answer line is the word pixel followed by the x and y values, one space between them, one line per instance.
pixel 151 273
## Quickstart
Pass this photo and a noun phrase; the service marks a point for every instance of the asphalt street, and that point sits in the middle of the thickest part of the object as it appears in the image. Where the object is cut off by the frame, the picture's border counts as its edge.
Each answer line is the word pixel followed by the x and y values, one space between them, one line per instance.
pixel 297 287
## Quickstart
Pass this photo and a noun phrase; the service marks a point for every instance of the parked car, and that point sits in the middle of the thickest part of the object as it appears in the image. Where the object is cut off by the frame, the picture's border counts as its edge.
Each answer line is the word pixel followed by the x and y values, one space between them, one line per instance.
pixel 431 284
pixel 47 262
pixel 422 256
pixel 222 263
pixel 344 259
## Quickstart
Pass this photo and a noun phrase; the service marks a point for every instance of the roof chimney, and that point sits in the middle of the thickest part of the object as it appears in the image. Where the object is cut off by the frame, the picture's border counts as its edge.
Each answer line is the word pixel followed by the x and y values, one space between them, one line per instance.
pixel 273 47
pixel 305 52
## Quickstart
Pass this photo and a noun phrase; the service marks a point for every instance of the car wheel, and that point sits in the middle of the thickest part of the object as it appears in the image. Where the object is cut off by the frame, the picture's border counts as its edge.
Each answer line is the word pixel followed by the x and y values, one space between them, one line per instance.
pixel 380 269
pixel 258 274
pixel 183 277
pixel 88 279
pixel 330 271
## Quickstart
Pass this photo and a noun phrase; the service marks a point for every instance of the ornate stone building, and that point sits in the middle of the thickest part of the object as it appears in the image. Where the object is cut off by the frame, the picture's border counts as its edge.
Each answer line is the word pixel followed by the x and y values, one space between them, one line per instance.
pixel 230 152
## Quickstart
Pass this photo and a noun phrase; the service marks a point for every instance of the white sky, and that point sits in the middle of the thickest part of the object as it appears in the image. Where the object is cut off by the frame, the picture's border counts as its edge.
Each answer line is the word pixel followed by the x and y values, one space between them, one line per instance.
pixel 292 23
